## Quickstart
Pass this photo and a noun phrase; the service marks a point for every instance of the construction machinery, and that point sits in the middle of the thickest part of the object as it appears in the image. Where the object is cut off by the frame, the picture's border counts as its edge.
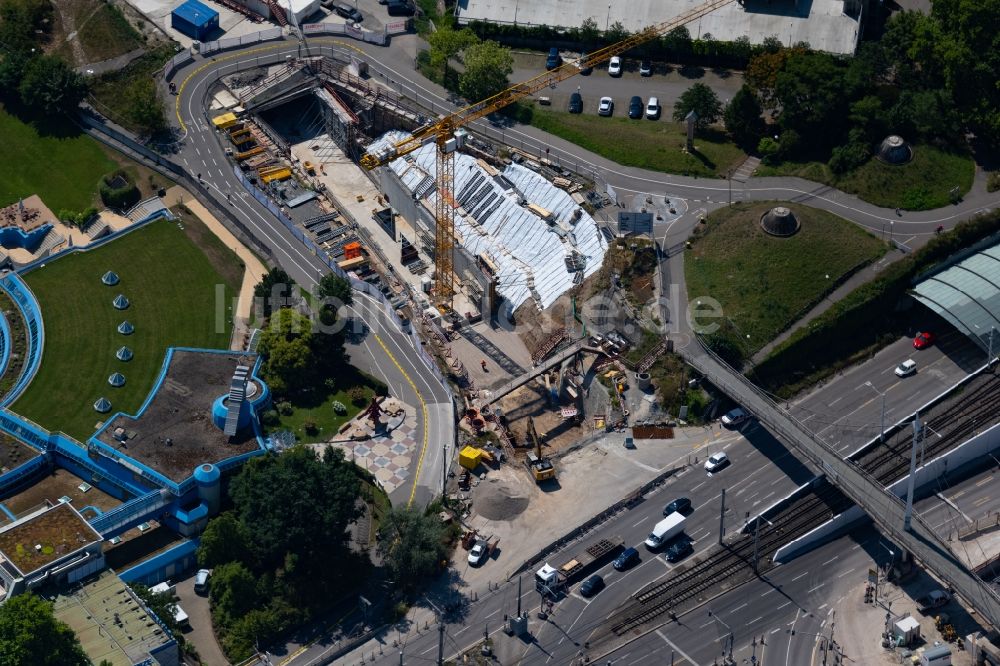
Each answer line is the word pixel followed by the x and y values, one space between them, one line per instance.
pixel 551 581
pixel 541 467
pixel 447 134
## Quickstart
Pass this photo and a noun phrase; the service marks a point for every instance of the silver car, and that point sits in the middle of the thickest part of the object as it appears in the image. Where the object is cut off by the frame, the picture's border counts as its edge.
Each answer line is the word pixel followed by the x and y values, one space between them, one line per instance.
pixel 606 107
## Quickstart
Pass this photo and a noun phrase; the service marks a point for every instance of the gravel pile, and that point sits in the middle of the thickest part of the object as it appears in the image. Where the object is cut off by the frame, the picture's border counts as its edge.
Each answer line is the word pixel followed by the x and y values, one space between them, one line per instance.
pixel 498 500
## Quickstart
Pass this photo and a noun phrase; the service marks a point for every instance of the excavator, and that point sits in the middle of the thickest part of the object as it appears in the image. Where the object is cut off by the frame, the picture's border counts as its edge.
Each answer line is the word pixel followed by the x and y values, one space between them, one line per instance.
pixel 540 466
pixel 446 135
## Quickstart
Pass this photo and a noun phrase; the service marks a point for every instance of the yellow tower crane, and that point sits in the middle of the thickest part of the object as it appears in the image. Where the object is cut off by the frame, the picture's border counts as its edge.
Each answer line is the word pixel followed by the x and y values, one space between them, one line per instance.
pixel 442 133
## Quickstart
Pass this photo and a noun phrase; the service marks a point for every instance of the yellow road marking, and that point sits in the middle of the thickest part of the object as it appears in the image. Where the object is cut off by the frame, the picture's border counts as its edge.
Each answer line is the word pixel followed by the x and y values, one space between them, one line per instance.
pixel 239 54
pixel 423 411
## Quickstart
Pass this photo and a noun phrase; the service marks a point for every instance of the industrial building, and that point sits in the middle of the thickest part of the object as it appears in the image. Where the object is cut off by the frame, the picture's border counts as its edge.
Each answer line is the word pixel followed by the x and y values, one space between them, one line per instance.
pixel 195 19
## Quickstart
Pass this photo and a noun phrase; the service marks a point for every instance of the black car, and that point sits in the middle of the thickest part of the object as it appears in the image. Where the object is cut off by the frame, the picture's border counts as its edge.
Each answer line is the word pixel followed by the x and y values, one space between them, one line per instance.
pixel 628 559
pixel 404 8
pixel 681 504
pixel 348 12
pixel 592 586
pixel 681 549
pixel 554 59
pixel 575 103
pixel 635 107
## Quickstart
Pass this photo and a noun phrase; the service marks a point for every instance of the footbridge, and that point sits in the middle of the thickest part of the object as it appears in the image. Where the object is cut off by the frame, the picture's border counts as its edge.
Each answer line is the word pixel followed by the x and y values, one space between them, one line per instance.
pixel 887 510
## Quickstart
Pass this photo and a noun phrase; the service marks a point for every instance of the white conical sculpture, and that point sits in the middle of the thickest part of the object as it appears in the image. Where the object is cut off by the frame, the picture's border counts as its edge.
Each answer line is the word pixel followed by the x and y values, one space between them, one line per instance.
pixel 103 405
pixel 117 379
pixel 126 328
pixel 124 354
pixel 110 278
pixel 121 302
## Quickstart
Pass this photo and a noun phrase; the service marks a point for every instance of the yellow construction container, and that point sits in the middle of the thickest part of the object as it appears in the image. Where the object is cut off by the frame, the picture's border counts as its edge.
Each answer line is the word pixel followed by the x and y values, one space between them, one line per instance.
pixel 469 457
pixel 256 150
pixel 267 174
pixel 224 121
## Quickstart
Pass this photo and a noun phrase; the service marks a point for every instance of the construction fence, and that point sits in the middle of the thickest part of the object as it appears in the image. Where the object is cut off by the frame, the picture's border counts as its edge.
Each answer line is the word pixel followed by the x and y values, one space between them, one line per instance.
pixel 244 40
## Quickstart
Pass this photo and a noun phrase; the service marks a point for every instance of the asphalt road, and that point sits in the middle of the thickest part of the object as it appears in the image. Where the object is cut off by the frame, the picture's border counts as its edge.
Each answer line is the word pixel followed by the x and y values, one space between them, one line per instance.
pixel 382 350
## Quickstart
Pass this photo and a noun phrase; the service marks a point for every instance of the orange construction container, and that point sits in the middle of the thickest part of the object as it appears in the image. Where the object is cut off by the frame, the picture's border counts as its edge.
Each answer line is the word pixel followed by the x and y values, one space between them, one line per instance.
pixel 352 250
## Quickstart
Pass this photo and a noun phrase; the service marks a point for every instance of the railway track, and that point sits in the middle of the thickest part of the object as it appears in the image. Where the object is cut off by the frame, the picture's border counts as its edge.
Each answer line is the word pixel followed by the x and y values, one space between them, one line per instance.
pixel 733 562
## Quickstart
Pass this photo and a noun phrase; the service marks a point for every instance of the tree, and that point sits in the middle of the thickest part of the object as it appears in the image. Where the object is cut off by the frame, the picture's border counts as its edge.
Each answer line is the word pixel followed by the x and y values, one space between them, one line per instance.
pixel 145 108
pixel 589 32
pixel 287 345
pixel 813 97
pixel 296 507
pixel 678 41
pixel 743 117
pixel 616 32
pixel 225 539
pixel 30 634
pixel 51 86
pixel 487 66
pixel 234 592
pixel 412 544
pixel 446 43
pixel 161 604
pixel 702 100
pixel 335 288
pixel 274 291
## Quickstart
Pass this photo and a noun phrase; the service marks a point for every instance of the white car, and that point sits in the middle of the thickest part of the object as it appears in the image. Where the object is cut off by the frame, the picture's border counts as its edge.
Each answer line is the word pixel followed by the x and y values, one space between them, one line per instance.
pixel 615 66
pixel 734 417
pixel 716 462
pixel 606 107
pixel 653 108
pixel 906 368
pixel 477 554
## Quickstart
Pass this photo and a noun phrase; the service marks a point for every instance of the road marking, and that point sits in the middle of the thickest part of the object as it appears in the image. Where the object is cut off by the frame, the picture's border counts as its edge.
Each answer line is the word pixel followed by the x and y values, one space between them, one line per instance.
pixel 639 523
pixel 767 593
pixel 492 614
pixel 733 610
pixel 787 603
pixel 756 619
pixel 832 559
pixel 822 607
pixel 776 630
pixel 465 628
pixel 849 571
pixel 981 501
pixel 698 486
pixel 801 575
pixel 707 624
pixel 423 415
pixel 815 588
pixel 983 482
pixel 674 647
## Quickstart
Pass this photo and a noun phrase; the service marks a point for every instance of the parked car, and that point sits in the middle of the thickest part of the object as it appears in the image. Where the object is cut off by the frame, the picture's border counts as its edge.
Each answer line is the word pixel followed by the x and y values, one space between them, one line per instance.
pixel 575 103
pixel 680 504
pixel 348 12
pixel 403 8
pixel 615 66
pixel 923 340
pixel 931 600
pixel 554 59
pixel 653 108
pixel 628 559
pixel 681 549
pixel 477 554
pixel 645 68
pixel 584 64
pixel 592 586
pixel 606 107
pixel 716 462
pixel 734 417
pixel 906 368
pixel 201 581
pixel 635 108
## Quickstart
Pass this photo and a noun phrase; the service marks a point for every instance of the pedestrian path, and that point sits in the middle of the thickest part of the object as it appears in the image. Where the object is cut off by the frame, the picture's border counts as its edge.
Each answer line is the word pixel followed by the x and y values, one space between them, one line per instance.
pixel 743 173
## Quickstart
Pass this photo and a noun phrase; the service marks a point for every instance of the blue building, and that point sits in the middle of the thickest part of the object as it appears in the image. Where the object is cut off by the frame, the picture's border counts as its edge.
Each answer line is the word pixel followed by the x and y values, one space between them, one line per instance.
pixel 195 20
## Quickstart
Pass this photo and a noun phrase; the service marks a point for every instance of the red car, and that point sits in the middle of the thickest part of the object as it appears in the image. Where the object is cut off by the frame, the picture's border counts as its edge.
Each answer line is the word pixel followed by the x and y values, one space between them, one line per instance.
pixel 923 340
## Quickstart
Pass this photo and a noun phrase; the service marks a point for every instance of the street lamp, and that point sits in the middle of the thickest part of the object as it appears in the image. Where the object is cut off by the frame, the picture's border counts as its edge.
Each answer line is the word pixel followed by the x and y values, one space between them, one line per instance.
pixel 607 22
pixel 729 637
pixel 881 393
pixel 827 642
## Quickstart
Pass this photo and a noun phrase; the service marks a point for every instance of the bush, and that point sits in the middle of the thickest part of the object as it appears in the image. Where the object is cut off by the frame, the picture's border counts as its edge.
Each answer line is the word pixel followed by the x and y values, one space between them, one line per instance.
pixel 285 408
pixel 339 407
pixel 849 157
pixel 310 427
pixel 270 418
pixel 993 181
pixel 357 395
pixel 80 219
pixel 121 197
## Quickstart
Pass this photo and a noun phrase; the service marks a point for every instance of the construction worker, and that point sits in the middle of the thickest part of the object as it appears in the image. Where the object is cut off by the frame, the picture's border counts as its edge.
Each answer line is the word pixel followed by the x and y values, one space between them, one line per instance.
pixel 483 363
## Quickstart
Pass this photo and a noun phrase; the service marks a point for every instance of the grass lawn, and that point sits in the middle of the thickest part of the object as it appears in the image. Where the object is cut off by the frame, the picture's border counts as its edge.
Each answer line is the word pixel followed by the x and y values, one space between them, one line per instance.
pixel 642 143
pixel 921 184
pixel 764 283
pixel 319 408
pixel 62 170
pixel 100 31
pixel 106 90
pixel 171 285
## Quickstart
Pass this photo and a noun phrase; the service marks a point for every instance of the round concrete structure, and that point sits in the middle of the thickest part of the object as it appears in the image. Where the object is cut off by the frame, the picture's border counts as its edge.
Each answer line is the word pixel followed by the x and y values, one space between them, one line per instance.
pixel 779 221
pixel 207 478
pixel 895 151
pixel 220 409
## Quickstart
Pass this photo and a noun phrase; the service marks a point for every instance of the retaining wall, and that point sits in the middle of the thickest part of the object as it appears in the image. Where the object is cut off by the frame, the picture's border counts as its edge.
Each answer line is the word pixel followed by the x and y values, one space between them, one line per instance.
pixel 219 45
pixel 164 566
pixel 5 343
pixel 26 302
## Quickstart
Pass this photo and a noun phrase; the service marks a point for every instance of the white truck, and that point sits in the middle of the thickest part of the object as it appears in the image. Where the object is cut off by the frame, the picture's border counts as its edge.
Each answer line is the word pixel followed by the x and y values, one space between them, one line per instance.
pixel 665 530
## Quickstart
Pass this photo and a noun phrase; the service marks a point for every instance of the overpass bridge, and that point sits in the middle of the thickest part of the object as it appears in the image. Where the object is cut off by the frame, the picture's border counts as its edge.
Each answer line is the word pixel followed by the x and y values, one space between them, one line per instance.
pixel 887 510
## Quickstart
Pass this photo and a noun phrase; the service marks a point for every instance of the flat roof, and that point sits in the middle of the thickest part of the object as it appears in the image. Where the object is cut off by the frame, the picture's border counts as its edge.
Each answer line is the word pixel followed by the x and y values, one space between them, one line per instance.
pixel 110 623
pixel 968 296
pixel 196 13
pixel 58 530
pixel 175 433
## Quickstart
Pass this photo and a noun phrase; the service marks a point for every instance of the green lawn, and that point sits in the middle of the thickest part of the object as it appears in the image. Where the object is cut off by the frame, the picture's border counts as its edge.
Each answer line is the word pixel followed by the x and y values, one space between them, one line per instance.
pixel 921 184
pixel 101 31
pixel 319 408
pixel 171 285
pixel 62 170
pixel 642 143
pixel 764 283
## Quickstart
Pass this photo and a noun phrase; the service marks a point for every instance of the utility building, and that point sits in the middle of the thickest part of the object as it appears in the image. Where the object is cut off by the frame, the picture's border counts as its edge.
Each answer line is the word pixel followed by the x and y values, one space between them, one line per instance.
pixel 195 20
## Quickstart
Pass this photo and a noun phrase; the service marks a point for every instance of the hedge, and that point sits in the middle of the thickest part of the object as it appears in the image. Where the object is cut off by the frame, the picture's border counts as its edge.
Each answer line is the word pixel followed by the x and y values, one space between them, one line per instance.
pixel 866 319
pixel 119 198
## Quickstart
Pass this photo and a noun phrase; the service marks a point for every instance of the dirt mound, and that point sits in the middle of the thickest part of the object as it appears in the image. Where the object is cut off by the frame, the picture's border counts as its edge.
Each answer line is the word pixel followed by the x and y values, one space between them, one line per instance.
pixel 500 499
